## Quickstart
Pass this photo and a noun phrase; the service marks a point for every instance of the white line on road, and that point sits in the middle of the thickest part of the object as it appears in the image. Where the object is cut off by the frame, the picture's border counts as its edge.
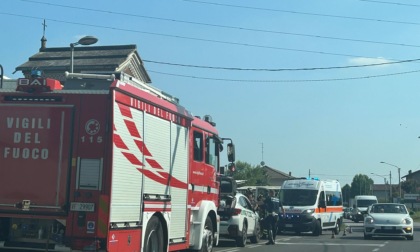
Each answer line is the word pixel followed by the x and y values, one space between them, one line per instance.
pixel 331 244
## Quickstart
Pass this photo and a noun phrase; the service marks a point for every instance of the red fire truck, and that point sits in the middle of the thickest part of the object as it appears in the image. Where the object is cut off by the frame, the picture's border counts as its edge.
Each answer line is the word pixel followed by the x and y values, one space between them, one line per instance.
pixel 106 163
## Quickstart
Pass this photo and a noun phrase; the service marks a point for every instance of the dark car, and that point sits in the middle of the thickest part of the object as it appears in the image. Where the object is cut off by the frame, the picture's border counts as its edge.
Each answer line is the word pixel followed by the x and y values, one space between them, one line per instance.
pixel 347 212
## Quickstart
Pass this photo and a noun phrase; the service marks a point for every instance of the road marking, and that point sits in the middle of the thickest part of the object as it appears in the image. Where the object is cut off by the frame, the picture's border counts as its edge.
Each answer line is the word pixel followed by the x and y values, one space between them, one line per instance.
pixel 286 241
pixel 228 250
pixel 332 244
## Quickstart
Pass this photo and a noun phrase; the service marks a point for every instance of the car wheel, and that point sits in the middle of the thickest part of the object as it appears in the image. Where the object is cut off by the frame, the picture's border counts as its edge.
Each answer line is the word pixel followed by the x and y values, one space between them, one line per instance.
pixel 337 228
pixel 257 234
pixel 366 236
pixel 241 240
pixel 410 237
pixel 316 228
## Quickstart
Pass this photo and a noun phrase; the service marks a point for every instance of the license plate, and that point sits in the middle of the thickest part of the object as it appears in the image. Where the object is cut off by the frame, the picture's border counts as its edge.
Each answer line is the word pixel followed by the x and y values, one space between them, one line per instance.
pixel 82 207
pixel 387 227
pixel 288 225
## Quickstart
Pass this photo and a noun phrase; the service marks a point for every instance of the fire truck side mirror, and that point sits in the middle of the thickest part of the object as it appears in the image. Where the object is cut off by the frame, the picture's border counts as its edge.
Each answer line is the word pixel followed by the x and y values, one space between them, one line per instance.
pixel 231 152
pixel 232 167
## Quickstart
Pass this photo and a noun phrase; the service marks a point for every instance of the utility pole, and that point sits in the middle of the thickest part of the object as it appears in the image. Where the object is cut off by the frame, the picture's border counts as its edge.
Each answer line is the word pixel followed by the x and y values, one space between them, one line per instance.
pixel 390 187
pixel 399 176
pixel 262 154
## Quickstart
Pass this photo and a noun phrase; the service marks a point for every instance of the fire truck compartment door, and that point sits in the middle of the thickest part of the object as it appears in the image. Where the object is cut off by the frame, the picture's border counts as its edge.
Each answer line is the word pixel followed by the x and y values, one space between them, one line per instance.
pixel 35 142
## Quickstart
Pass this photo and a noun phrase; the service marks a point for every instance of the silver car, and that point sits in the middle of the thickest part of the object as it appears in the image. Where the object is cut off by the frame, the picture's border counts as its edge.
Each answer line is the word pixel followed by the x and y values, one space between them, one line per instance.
pixel 388 219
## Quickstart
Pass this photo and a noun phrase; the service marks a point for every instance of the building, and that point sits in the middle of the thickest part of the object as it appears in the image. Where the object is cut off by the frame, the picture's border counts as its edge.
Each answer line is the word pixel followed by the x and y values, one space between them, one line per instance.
pixel 54 62
pixel 276 177
pixel 412 176
pixel 381 191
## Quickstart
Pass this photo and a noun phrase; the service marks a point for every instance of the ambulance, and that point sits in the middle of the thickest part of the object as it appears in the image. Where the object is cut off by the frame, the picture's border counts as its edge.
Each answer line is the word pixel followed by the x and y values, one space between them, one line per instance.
pixel 311 205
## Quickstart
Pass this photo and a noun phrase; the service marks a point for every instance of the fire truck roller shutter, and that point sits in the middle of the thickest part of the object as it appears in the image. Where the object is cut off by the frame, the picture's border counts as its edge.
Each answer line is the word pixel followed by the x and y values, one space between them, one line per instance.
pixel 127 180
pixel 167 143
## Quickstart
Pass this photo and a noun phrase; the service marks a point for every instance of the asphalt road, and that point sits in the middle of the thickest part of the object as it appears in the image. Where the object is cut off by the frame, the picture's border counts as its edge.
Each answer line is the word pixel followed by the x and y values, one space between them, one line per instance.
pixel 351 241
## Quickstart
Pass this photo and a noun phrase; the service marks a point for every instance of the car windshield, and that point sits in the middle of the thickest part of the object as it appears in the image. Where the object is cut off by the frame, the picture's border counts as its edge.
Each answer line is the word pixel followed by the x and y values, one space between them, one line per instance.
pixel 365 203
pixel 296 197
pixel 400 209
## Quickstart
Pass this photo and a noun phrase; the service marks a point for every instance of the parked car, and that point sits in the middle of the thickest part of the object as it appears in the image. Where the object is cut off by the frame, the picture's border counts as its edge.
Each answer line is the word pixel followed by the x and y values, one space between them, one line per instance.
pixel 347 212
pixel 388 219
pixel 238 220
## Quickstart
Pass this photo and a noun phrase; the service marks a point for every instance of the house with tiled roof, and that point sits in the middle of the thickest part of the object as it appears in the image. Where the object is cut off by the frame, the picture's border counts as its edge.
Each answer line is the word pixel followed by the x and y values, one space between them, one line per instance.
pixel 412 176
pixel 54 62
pixel 382 192
pixel 276 177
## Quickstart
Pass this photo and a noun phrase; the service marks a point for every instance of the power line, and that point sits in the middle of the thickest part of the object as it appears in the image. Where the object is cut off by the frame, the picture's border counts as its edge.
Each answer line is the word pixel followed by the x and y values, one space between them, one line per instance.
pixel 279 69
pixel 193 38
pixel 225 42
pixel 304 13
pixel 274 81
pixel 223 26
pixel 386 2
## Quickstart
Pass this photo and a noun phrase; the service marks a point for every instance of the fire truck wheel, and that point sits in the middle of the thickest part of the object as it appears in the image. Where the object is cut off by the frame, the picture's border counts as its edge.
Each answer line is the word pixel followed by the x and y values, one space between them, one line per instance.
pixel 208 235
pixel 154 236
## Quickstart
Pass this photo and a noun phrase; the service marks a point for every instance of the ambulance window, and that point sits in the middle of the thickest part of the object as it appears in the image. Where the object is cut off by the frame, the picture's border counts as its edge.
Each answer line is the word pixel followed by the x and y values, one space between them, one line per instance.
pixel 211 152
pixel 198 146
pixel 334 198
pixel 321 200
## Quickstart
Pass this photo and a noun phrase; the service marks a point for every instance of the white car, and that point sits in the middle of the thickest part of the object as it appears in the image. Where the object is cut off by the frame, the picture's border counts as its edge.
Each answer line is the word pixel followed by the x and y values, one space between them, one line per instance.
pixel 388 219
pixel 238 220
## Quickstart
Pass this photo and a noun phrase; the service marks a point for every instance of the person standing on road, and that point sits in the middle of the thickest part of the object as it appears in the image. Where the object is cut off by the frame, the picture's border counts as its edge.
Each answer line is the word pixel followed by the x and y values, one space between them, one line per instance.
pixel 262 214
pixel 273 208
pixel 250 196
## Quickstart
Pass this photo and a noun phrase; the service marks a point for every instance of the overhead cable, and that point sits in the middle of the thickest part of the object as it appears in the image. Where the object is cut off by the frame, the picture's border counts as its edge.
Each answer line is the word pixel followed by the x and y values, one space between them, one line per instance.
pixel 221 26
pixel 279 69
pixel 295 80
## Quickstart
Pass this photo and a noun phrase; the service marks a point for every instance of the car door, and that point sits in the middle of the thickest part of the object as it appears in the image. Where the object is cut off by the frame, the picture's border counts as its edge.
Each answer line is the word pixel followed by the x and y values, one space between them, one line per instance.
pixel 250 214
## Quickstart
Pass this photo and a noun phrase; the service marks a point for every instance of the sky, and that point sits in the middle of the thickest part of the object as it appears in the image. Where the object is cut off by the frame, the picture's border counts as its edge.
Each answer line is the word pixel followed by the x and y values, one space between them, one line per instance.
pixel 321 87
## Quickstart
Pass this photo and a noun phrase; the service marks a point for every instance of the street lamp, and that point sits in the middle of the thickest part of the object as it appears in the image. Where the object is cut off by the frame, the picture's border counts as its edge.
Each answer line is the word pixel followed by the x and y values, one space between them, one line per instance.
pixel 390 187
pixel 87 40
pixel 399 175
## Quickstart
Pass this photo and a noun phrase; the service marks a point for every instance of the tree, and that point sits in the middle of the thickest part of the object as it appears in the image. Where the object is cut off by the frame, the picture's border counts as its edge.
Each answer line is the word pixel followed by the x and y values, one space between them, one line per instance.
pixel 346 191
pixel 252 175
pixel 361 185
